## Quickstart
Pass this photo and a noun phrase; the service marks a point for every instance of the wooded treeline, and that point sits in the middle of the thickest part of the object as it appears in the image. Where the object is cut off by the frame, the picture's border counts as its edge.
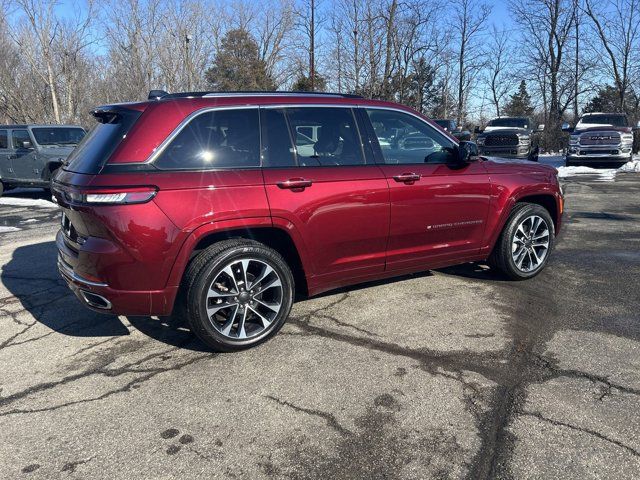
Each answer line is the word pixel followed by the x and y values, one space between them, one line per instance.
pixel 446 58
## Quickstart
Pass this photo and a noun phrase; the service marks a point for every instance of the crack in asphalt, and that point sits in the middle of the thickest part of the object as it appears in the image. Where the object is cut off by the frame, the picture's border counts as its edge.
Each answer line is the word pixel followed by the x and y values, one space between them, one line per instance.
pixel 148 373
pixel 556 372
pixel 327 417
pixel 588 431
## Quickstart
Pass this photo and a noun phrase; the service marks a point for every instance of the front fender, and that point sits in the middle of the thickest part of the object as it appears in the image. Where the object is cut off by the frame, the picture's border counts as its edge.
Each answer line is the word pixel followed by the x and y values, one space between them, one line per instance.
pixel 502 202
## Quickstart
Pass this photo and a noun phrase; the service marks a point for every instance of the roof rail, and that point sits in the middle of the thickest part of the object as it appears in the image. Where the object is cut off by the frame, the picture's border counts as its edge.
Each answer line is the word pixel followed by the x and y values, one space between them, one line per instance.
pixel 240 93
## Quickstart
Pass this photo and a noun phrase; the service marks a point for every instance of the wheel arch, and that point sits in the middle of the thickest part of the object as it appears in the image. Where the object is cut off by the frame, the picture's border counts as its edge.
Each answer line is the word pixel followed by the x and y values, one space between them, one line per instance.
pixel 545 198
pixel 266 233
pixel 50 166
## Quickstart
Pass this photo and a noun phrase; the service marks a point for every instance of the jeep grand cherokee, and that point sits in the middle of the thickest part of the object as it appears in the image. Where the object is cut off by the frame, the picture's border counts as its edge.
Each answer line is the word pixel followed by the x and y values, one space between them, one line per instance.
pixel 223 206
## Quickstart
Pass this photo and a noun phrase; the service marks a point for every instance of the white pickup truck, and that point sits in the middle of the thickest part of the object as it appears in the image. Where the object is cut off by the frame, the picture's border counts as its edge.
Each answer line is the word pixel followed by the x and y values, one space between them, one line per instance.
pixel 600 138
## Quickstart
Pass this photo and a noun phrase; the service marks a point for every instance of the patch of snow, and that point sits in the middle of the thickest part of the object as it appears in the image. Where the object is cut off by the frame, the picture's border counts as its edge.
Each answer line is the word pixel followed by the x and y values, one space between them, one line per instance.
pixel 29 220
pixel 555 160
pixel 4 229
pixel 633 166
pixel 603 174
pixel 26 202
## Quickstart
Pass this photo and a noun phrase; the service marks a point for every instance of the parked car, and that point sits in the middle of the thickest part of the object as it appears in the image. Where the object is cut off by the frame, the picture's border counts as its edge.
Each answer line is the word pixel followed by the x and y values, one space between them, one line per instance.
pixel 225 206
pixel 600 138
pixel 30 154
pixel 510 137
pixel 451 126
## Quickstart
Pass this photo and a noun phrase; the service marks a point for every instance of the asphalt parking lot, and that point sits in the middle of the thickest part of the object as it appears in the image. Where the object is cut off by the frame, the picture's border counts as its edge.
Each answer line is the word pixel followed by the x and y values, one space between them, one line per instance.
pixel 450 374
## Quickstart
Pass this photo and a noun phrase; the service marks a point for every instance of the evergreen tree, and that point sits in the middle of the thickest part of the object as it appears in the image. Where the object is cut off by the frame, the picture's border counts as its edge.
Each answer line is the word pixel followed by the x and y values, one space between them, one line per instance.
pixel 238 66
pixel 520 103
pixel 303 83
pixel 608 100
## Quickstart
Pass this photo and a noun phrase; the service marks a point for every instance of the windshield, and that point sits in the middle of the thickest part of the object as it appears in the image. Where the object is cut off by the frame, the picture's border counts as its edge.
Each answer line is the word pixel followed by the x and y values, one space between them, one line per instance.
pixel 96 148
pixel 56 136
pixel 604 119
pixel 509 122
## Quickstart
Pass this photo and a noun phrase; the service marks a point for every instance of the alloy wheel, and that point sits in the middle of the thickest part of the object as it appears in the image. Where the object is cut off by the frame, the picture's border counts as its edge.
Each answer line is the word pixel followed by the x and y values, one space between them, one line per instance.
pixel 244 298
pixel 530 244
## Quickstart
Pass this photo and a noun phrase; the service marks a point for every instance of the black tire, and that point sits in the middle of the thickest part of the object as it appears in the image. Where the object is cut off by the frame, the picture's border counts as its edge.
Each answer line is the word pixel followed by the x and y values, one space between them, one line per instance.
pixel 207 267
pixel 1 188
pixel 568 163
pixel 502 258
pixel 52 173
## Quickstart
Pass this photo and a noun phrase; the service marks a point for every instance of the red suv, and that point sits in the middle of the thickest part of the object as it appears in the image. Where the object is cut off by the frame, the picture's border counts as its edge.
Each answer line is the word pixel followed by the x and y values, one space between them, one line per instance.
pixel 227 205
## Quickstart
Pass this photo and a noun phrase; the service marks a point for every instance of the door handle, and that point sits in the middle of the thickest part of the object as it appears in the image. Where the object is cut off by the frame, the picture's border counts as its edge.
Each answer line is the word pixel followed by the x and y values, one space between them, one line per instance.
pixel 407 178
pixel 295 184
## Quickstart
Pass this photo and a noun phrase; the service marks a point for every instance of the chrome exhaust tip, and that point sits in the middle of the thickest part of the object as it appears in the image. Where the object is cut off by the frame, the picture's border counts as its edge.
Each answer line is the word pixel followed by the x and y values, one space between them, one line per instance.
pixel 96 301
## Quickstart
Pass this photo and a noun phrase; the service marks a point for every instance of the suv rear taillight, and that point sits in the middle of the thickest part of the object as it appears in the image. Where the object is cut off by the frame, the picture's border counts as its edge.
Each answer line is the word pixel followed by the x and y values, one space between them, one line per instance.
pixel 109 196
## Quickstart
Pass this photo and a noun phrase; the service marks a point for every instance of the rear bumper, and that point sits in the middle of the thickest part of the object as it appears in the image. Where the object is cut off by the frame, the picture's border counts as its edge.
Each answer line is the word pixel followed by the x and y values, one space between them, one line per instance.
pixel 99 296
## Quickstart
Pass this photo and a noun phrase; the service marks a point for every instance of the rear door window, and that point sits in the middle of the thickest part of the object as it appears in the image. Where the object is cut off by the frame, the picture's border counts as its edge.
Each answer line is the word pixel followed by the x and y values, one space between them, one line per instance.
pixel 4 140
pixel 97 146
pixel 325 136
pixel 215 139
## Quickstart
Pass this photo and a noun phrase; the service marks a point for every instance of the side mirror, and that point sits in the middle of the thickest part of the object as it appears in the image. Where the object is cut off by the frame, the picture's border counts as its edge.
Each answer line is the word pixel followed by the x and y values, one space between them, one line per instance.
pixel 27 145
pixel 464 153
pixel 566 127
pixel 540 128
pixel 476 129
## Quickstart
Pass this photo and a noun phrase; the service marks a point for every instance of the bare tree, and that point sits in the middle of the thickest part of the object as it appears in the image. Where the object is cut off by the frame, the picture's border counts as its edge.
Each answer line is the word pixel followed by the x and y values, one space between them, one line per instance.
pixel 499 67
pixel 469 20
pixel 36 40
pixel 617 26
pixel 549 25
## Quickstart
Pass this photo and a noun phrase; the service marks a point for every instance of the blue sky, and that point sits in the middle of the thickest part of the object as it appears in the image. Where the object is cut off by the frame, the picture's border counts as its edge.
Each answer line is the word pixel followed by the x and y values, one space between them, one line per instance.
pixel 500 10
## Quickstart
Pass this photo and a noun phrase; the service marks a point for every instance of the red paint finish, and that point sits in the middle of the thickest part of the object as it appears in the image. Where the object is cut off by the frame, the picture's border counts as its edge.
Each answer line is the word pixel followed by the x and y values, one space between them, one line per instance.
pixel 343 216
pixel 348 224
pixel 441 215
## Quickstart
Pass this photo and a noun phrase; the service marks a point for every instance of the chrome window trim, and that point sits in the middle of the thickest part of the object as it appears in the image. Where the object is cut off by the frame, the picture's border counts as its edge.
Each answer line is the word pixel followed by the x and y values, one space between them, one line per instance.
pixel 165 143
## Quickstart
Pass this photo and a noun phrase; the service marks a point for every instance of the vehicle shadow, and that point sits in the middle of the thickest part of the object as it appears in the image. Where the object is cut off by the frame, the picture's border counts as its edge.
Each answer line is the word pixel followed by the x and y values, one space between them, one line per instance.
pixel 32 278
pixel 476 271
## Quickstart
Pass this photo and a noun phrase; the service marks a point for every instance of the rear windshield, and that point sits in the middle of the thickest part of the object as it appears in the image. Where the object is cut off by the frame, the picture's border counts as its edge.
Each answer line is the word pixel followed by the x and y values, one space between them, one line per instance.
pixel 599 119
pixel 509 122
pixel 57 136
pixel 97 146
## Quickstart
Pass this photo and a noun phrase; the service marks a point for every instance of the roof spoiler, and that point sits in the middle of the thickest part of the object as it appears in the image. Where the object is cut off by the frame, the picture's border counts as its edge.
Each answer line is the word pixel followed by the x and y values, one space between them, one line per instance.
pixel 156 94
